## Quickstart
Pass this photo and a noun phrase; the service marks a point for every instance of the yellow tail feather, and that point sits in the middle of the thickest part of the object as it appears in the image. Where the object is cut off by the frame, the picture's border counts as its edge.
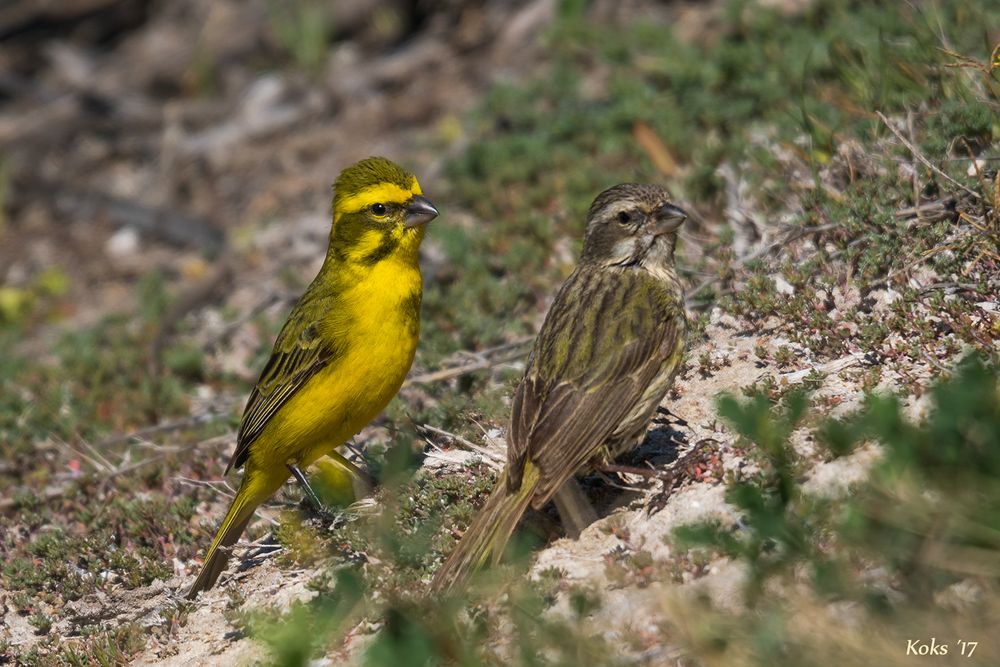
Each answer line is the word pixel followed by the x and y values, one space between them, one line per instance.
pixel 256 487
pixel 489 533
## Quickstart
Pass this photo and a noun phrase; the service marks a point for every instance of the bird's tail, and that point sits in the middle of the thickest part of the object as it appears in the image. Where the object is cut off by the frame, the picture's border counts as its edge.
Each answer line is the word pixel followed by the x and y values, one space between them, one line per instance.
pixel 257 486
pixel 488 535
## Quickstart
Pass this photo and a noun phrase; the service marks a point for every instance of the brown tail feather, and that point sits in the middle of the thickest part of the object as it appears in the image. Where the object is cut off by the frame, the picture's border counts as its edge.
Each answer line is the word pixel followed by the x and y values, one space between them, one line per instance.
pixel 488 535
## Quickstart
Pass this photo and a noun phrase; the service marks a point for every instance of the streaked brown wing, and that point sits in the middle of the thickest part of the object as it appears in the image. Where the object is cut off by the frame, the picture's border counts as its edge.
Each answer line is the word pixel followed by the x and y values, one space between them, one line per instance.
pixel 604 340
pixel 298 354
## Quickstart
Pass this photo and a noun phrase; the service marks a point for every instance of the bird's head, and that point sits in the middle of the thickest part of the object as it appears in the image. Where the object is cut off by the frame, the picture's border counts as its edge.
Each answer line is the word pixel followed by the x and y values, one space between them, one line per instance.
pixel 632 224
pixel 378 208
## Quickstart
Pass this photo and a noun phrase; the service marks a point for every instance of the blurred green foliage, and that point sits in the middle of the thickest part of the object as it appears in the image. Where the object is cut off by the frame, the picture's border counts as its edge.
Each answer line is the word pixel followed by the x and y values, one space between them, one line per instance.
pixel 925 519
pixel 304 29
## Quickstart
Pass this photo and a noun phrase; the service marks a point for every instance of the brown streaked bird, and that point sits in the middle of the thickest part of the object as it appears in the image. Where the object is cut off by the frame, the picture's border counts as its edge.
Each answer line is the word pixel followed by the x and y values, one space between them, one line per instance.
pixel 605 357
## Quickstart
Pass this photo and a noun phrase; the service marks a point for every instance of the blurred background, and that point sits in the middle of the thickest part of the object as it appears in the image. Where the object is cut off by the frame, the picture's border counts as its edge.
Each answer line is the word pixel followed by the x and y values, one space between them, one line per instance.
pixel 143 137
pixel 165 175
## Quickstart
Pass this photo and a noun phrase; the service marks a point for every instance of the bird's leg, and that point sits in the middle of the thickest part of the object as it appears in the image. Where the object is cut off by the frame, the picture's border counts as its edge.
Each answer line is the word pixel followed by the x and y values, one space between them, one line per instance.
pixel 308 490
pixel 575 509
pixel 669 478
pixel 668 416
pixel 648 473
pixel 670 474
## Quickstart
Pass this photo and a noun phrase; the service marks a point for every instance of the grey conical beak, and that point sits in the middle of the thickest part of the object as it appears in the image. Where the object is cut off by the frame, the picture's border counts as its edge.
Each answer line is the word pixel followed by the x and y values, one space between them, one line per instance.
pixel 419 211
pixel 669 218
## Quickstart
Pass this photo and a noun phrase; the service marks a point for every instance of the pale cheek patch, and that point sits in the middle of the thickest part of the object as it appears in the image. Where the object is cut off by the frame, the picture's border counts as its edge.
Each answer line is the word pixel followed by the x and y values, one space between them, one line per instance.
pixel 626 249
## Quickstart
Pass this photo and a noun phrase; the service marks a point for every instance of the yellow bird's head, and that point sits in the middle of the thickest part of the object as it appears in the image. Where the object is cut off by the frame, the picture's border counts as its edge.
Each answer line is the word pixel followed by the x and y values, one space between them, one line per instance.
pixel 378 210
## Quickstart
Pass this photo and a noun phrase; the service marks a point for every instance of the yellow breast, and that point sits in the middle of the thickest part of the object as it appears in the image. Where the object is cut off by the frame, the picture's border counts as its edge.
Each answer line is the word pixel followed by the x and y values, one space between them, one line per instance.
pixel 380 323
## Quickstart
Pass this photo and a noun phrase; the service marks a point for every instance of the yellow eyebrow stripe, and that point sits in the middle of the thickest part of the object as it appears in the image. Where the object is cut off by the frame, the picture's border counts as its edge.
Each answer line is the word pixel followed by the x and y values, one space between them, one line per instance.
pixel 384 193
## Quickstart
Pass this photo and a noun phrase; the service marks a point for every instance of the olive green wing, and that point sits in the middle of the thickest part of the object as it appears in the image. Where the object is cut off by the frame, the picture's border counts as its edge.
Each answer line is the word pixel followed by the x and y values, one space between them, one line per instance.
pixel 299 353
pixel 603 342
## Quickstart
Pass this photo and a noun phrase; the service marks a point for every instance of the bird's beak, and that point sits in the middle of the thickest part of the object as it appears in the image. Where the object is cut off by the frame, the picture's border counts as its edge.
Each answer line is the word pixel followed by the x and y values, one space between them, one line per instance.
pixel 419 211
pixel 668 218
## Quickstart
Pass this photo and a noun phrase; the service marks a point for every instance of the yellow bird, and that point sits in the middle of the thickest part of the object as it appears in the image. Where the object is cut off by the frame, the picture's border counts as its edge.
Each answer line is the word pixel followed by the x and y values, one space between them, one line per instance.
pixel 344 351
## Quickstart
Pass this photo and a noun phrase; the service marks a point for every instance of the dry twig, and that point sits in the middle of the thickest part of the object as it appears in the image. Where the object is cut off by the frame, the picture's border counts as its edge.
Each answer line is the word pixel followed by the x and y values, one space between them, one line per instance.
pixel 493 458
pixel 485 359
pixel 923 158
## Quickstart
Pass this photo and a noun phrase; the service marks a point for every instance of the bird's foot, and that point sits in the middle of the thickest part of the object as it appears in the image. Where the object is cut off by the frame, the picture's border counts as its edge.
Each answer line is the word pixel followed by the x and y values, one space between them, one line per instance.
pixel 310 494
pixel 688 466
pixel 671 478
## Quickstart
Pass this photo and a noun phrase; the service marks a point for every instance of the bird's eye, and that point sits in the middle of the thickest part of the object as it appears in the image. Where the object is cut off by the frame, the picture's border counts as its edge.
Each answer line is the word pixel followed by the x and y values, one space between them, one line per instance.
pixel 624 217
pixel 378 209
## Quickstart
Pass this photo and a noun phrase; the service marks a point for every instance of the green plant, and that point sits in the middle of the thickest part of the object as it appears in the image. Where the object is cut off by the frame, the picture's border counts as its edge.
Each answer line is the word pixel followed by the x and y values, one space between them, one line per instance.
pixel 303 28
pixel 924 521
